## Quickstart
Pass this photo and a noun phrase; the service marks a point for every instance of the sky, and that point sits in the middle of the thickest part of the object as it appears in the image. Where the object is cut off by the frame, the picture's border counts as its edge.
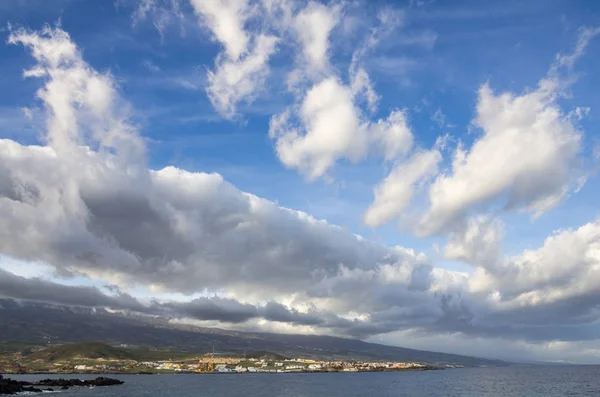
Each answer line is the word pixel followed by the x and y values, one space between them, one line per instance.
pixel 417 173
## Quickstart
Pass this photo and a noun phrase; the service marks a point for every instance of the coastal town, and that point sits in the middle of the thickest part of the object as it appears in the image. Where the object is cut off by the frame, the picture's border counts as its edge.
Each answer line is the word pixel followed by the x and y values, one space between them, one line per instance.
pixel 208 365
pixel 63 360
pixel 253 365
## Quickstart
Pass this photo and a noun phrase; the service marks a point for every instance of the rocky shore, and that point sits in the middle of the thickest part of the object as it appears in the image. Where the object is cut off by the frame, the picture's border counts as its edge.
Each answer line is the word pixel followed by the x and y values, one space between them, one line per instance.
pixel 10 386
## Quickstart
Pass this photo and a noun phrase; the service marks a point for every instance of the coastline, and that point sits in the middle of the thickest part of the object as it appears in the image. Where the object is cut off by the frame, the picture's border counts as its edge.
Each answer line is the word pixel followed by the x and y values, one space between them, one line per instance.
pixel 219 373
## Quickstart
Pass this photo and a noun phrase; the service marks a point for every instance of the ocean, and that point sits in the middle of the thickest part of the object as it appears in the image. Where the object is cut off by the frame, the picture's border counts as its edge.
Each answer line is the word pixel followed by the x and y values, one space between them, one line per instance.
pixel 522 381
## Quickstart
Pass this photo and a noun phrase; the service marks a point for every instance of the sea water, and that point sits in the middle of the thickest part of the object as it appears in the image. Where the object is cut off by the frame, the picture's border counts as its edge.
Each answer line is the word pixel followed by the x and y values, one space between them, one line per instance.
pixel 527 381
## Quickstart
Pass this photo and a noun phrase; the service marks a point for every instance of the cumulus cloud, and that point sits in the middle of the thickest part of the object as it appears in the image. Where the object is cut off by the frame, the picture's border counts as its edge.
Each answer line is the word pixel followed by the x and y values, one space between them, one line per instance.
pixel 396 191
pixel 82 104
pixel 329 129
pixel 240 71
pixel 544 294
pixel 500 168
pixel 564 266
pixel 501 162
pixel 328 124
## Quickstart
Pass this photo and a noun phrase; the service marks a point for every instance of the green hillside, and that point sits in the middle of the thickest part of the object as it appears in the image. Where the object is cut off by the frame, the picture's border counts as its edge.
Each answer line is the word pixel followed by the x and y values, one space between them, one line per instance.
pixel 95 350
pixel 73 351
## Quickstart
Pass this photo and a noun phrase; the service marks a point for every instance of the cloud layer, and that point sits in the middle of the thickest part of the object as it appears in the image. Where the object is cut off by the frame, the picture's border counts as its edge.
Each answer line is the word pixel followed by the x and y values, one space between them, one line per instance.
pixel 86 203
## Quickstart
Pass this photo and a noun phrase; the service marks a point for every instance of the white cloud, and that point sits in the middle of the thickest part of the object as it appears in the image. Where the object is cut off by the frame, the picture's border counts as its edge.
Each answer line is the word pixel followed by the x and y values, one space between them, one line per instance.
pixel 566 266
pixel 82 104
pixel 313 25
pixel 585 36
pixel 501 163
pixel 329 124
pixel 393 135
pixel 233 81
pixel 241 70
pixel 500 168
pixel 332 126
pixel 396 191
pixel 226 20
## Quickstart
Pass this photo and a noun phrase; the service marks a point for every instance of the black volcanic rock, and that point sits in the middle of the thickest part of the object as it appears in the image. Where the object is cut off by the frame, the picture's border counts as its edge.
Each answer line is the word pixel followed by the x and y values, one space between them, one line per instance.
pixel 10 386
pixel 100 381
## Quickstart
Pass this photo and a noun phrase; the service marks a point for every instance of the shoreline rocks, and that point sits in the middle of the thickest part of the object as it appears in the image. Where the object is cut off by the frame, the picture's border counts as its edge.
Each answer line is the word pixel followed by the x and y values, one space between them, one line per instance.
pixel 11 386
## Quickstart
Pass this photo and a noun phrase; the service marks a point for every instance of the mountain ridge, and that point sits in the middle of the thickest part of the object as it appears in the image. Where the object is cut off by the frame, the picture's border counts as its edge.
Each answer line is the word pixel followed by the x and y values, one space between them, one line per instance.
pixel 39 324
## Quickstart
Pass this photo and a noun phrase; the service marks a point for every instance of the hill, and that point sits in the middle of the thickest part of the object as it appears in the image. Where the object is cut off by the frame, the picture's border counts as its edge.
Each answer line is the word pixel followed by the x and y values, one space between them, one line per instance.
pixel 97 350
pixel 264 355
pixel 23 324
pixel 72 351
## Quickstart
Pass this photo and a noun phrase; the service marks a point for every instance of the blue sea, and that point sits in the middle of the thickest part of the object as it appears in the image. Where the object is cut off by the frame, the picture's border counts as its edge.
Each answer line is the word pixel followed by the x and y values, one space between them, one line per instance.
pixel 528 381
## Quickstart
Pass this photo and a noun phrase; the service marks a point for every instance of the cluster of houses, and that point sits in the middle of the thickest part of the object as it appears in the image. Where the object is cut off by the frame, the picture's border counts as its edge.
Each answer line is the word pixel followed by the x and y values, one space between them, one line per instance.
pixel 238 365
pixel 103 367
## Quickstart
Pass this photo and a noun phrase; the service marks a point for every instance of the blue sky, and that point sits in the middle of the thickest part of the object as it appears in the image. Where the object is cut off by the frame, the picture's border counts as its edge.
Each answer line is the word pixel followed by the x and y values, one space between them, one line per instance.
pixel 430 64
pixel 509 45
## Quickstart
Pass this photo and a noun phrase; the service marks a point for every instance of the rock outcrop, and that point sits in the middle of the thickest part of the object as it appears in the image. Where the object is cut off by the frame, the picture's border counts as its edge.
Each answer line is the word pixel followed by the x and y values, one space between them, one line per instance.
pixel 10 386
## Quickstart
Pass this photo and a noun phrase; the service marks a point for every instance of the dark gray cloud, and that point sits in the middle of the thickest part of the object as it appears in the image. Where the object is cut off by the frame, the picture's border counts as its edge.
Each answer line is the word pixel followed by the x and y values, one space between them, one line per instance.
pixel 218 309
pixel 193 232
pixel 205 309
pixel 39 290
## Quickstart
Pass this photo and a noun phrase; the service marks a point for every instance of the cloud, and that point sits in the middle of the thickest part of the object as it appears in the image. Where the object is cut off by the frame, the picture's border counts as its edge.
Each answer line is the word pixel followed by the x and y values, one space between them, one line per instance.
pixel 241 70
pixel 85 203
pixel 313 25
pixel 226 20
pixel 426 39
pixel 499 169
pixel 224 310
pixel 543 294
pixel 333 130
pixel 231 311
pixel 163 13
pixel 151 66
pixel 501 164
pixel 439 117
pixel 233 81
pixel 328 124
pixel 586 34
pixel 81 103
pixel 565 265
pixel 478 241
pixel 396 191
pixel 39 290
